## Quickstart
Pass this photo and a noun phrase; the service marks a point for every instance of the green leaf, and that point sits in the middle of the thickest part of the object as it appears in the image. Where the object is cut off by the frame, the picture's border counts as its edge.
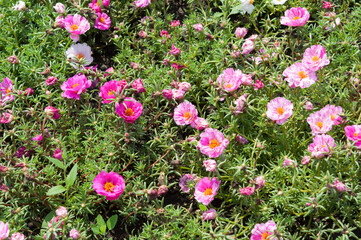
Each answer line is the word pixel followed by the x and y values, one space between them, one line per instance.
pixel 47 219
pixel 56 162
pixel 202 207
pixel 95 229
pixel 55 190
pixel 103 229
pixel 112 221
pixel 100 221
pixel 70 179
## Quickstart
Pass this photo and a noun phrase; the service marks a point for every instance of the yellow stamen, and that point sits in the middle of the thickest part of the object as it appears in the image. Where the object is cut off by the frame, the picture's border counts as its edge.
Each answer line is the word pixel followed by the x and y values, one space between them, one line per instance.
pixel 75 85
pixel 332 117
pixel 302 74
pixel 80 56
pixel 295 18
pixel 319 124
pixel 110 93
pixel 280 111
pixel 228 85
pixel 356 134
pixel 187 115
pixel 208 192
pixel 8 90
pixel 214 143
pixel 315 58
pixel 108 186
pixel 251 2
pixel 129 112
pixel 74 27
pixel 265 236
pixel 101 20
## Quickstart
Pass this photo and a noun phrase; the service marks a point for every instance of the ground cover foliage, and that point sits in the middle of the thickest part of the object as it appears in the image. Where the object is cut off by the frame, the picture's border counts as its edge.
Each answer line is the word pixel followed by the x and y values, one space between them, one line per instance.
pixel 50 158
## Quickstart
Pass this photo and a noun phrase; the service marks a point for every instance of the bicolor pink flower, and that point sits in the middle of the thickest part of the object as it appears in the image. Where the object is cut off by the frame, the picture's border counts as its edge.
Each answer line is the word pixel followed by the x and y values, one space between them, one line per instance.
pixel 230 79
pixel 184 86
pixel 333 112
pixel 295 17
pixel 210 165
pixel 74 234
pixel 6 88
pixel 138 85
pixel 175 23
pixel 75 86
pixel 167 93
pixel 246 191
pixel 6 118
pixel 51 80
pixel 241 32
pixel 206 189
pixel 209 215
pixel 339 186
pixel 17 236
pixel 212 143
pixel 52 112
pixel 200 124
pixel 297 75
pixel 353 133
pixel 175 51
pixel 110 185
pixel 264 231
pixel 198 27
pixel 141 3
pixel 178 93
pixel 321 145
pixel 288 162
pixel 185 113
pixel 76 25
pixel 59 8
pixel 248 47
pixel 305 160
pixel 59 22
pixel 320 122
pixel 110 90
pixel 279 110
pixel 241 104
pixel 259 182
pixel 20 6
pixel 308 106
pixel 258 84
pixel 185 180
pixel 4 230
pixel 61 212
pixel 315 57
pixel 58 154
pixel 102 22
pixel 94 5
pixel 130 109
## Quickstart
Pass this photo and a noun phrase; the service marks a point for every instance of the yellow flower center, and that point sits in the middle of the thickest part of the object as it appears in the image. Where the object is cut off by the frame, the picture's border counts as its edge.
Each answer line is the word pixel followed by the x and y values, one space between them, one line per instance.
pixel 332 117
pixel 8 90
pixel 251 2
pixel 214 143
pixel 265 235
pixel 110 93
pixel 319 124
pixel 280 110
pixel 187 115
pixel 97 4
pixel 315 58
pixel 74 27
pixel 101 20
pixel 108 186
pixel 75 85
pixel 129 112
pixel 295 18
pixel 355 134
pixel 228 85
pixel 80 56
pixel 208 192
pixel 302 74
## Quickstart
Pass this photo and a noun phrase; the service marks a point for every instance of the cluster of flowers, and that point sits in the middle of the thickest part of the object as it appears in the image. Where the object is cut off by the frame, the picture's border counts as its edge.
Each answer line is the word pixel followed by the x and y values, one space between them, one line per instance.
pixel 5 232
pixel 180 88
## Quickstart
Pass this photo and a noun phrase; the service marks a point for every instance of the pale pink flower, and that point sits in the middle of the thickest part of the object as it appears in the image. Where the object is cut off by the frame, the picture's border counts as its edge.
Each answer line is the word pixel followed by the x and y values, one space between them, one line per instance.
pixel 75 86
pixel 185 180
pixel 59 22
pixel 58 154
pixel 110 185
pixel 209 215
pixel 259 181
pixel 247 47
pixel 321 145
pixel 333 112
pixel 20 6
pixel 59 8
pixel 110 90
pixel 200 123
pixel 94 5
pixel 74 234
pixel 315 57
pixel 184 86
pixel 246 191
pixel 76 25
pixel 339 186
pixel 295 17
pixel 241 104
pixel 308 106
pixel 198 27
pixel 17 236
pixel 185 113
pixel 206 189
pixel 175 23
pixel 141 3
pixel 264 231
pixel 241 32
pixel 130 109
pixel 178 93
pixel 102 22
pixel 305 160
pixel 61 212
pixel 230 79
pixel 142 34
pixel 297 75
pixel 320 122
pixel 247 80
pixel 288 162
pixel 138 85
pixel 4 230
pixel 210 165
pixel 279 110
pixel 212 143
pixel 175 51
pixel 52 112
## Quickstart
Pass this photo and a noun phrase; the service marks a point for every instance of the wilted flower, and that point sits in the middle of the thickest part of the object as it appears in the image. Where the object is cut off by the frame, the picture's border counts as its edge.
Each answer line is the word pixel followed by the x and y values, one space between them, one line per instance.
pixel 39 137
pixel 58 154
pixel 295 17
pixel 206 189
pixel 209 215
pixel 183 182
pixel 76 25
pixel 308 106
pixel 241 32
pixel 74 234
pixel 279 110
pixel 13 59
pixel 167 93
pixel 263 231
pixel 321 145
pixel 258 84
pixel 177 67
pixel 246 191
pixel 6 118
pixel 210 165
pixel 75 86
pixel 6 88
pixel 102 22
pixel 241 104
pixel 59 8
pixel 241 140
pixel 259 181
pixel 198 27
pixel 51 80
pixel 248 46
pixel 130 109
pixel 326 5
pixel 298 75
pixel 142 34
pixel 110 185
pixel 17 236
pixel 185 113
pixel 212 143
pixel 315 57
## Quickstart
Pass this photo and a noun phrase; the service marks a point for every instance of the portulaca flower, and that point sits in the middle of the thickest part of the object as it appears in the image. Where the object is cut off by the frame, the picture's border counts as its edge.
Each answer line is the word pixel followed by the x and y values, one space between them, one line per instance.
pixel 81 52
pixel 247 6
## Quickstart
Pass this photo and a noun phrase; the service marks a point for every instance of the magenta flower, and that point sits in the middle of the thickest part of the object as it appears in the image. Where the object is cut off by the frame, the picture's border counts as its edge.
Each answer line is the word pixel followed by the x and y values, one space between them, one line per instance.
pixel 320 122
pixel 141 3
pixel 102 22
pixel 241 32
pixel 295 17
pixel 198 27
pixel 6 118
pixel 17 236
pixel 175 51
pixel 353 133
pixel 167 93
pixel 339 186
pixel 177 67
pixel 185 113
pixel 58 154
pixel 164 33
pixel 326 5
pixel 40 137
pixel 52 112
pixel 210 165
pixel 175 23
pixel 76 25
pixel 110 90
pixel 200 123
pixel 321 145
pixel 315 58
pixel 258 84
pixel 209 215
pixel 94 5
pixel 4 230
pixel 75 86
pixel 230 79
pixel 212 143
pixel 297 75
pixel 50 81
pixel 110 185
pixel 279 110
pixel 206 189
pixel 185 180
pixel 248 47
pixel 264 231
pixel 6 88
pixel 246 191
pixel 129 109
pixel 138 85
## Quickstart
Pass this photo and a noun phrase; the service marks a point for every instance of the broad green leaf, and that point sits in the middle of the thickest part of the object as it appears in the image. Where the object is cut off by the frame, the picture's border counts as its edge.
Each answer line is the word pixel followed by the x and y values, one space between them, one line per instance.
pixel 100 221
pixel 70 179
pixel 95 229
pixel 112 221
pixel 202 207
pixel 103 229
pixel 47 219
pixel 56 162
pixel 55 190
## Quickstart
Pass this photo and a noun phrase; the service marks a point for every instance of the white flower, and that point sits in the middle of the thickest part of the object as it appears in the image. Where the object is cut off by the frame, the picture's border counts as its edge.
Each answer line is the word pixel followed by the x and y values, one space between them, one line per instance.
pixel 20 6
pixel 59 8
pixel 247 6
pixel 278 2
pixel 79 51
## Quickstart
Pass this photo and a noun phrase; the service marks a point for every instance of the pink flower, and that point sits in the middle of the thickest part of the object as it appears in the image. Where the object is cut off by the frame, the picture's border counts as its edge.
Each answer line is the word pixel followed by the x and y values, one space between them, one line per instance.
pixel 241 104
pixel 333 112
pixel 184 86
pixel 177 67
pixel 61 212
pixel 52 112
pixel 138 85
pixel 247 47
pixel 6 118
pixel 58 154
pixel 209 215
pixel 315 57
pixel 59 22
pixel 321 145
pixel 200 123
pixel 247 80
pixel 129 109
pixel 185 113
pixel 142 34
pixel 230 79
pixel 210 165
pixel 102 22
pixel 17 236
pixel 110 185
pixel 288 162
pixel 4 230
pixel 184 181
pixel 175 51
pixel 198 27
pixel 305 160
pixel 241 32
pixel 40 137
pixel 326 5
pixel 297 75
pixel 59 8
pixel 76 25
pixel 74 234
pixel 295 17
pixel 353 133
pixel 50 81
pixel 110 90
pixel 320 122
pixel 28 92
pixel 164 33
pixel 178 93
pixel 75 86
pixel 13 59
pixel 258 84
pixel 94 5
pixel 212 143
pixel 279 110
pixel 141 3
pixel 109 72
pixel 263 231
pixel 339 186
pixel 167 93
pixel 246 191
pixel 6 89
pixel 206 189
pixel 259 181
pixel 308 106
pixel 175 23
